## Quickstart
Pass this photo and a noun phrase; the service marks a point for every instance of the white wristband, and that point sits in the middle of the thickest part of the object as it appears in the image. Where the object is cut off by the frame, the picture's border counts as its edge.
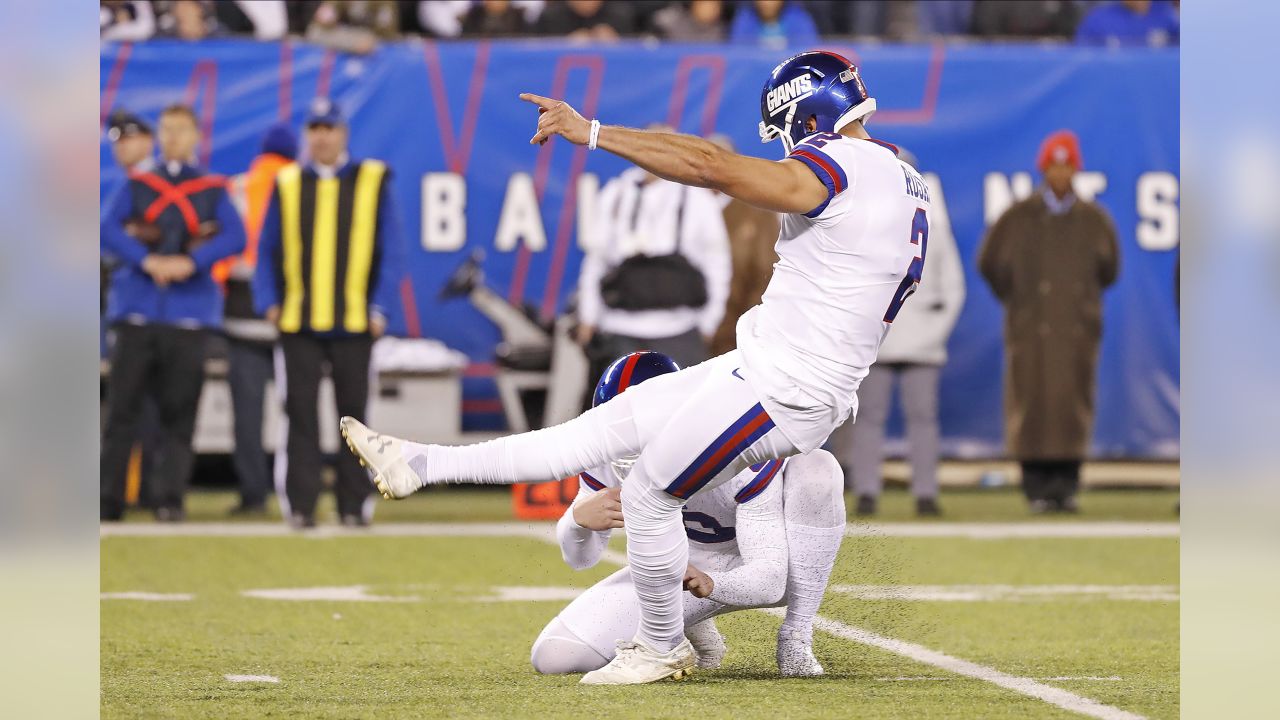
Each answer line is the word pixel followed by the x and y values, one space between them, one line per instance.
pixel 595 135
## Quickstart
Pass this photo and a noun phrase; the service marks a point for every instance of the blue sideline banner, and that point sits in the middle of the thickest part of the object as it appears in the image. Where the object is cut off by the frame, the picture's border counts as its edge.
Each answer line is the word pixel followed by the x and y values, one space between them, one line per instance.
pixel 446 117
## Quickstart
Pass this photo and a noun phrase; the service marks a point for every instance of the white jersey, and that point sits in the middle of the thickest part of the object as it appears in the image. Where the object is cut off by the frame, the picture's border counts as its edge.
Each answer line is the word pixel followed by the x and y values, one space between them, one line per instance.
pixel 843 270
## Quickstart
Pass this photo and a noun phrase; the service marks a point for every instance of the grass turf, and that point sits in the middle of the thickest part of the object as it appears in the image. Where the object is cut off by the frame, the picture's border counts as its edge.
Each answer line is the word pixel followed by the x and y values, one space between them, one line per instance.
pixel 446 655
pixel 470 504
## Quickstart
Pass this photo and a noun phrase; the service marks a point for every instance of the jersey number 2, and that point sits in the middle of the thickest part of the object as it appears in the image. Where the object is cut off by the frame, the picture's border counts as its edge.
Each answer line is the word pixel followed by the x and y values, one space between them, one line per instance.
pixel 919 236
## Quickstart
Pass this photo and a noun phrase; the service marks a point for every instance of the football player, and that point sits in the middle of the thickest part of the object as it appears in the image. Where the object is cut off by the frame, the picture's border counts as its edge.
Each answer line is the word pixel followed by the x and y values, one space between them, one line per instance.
pixel 851 249
pixel 768 537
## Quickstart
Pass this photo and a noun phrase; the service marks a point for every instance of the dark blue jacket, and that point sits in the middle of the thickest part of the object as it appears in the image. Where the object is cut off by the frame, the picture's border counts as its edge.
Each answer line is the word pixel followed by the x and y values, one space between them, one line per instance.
pixel 134 296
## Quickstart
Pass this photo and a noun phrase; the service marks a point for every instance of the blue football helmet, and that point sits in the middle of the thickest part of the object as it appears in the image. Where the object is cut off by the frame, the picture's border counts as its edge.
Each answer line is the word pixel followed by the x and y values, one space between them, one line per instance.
pixel 631 370
pixel 818 83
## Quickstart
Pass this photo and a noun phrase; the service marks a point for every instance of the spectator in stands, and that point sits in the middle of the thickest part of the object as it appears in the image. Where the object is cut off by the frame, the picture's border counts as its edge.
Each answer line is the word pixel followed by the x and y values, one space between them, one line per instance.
pixel 773 24
pixel 263 19
pixel 869 17
pixel 657 274
pixel 165 229
pixel 695 21
pixel 1048 259
pixel 330 260
pixel 1130 22
pixel 354 26
pixel 494 18
pixel 126 20
pixel 250 337
pixel 752 234
pixel 1029 18
pixel 944 17
pixel 911 357
pixel 587 20
pixel 187 20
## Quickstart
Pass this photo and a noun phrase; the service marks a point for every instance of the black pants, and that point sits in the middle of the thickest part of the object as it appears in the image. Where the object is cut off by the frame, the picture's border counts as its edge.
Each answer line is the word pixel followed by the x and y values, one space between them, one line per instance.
pixel 304 359
pixel 249 369
pixel 167 363
pixel 1052 480
pixel 688 348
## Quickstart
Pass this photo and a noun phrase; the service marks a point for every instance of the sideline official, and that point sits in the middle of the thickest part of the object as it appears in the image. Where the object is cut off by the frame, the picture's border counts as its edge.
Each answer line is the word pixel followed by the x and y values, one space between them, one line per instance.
pixel 329 266
pixel 165 228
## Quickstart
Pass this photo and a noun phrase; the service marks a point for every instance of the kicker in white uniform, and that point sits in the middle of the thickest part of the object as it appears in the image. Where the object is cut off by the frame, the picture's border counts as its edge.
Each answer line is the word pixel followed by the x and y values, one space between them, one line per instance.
pixel 852 249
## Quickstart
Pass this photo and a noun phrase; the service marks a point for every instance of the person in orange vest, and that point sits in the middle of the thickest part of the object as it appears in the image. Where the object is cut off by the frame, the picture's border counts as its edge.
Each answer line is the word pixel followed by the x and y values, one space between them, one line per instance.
pixel 250 337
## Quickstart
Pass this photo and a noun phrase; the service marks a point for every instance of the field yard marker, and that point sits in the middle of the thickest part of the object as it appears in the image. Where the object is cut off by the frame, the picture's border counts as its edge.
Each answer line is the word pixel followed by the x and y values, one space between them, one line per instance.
pixel 253 678
pixel 350 593
pixel 148 596
pixel 1006 593
pixel 545 530
pixel 921 654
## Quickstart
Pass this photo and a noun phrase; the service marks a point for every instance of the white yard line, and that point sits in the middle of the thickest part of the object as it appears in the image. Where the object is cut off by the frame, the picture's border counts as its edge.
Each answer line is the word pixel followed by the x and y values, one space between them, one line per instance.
pixel 252 678
pixel 1007 593
pixel 147 596
pixel 543 530
pixel 921 654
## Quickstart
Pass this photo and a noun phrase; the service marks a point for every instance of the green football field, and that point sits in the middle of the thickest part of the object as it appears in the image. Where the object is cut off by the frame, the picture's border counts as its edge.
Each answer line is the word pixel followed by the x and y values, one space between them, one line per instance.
pixel 985 614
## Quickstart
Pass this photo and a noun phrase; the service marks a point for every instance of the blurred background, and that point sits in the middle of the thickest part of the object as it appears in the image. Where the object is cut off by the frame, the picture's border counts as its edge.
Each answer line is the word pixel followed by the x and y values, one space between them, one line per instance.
pixel 497 325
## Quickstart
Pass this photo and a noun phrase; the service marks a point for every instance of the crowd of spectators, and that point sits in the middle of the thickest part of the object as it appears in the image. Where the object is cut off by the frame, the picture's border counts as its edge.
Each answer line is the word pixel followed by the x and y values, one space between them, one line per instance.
pixel 359 25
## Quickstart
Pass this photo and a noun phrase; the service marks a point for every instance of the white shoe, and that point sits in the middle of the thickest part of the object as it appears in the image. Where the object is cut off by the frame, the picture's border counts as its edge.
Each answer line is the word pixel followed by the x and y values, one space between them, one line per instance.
pixel 795 656
pixel 384 456
pixel 707 643
pixel 636 664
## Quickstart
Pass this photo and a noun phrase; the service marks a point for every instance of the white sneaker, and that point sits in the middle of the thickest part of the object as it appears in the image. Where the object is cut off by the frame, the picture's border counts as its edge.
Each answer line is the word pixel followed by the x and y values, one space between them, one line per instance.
pixel 795 656
pixel 384 456
pixel 636 664
pixel 707 643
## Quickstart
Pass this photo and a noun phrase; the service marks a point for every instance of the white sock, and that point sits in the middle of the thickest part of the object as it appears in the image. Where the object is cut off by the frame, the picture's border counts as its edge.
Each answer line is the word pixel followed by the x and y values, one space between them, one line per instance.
pixel 590 440
pixel 811 556
pixel 813 502
pixel 658 553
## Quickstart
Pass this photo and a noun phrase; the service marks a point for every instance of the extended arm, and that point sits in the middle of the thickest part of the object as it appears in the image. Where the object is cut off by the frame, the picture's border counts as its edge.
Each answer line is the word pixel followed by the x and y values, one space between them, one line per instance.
pixel 785 186
pixel 761 579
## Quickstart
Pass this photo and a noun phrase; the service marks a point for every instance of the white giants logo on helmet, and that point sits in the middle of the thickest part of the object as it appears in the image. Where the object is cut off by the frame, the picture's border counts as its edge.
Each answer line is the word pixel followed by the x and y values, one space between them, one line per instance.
pixel 794 90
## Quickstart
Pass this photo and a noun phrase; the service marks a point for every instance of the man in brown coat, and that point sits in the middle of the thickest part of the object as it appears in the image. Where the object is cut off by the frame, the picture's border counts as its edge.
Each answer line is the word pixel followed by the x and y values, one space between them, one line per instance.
pixel 1048 259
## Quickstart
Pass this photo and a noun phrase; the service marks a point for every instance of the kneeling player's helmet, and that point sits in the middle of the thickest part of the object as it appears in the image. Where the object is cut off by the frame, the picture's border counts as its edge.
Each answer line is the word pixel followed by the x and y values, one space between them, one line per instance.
pixel 818 83
pixel 631 370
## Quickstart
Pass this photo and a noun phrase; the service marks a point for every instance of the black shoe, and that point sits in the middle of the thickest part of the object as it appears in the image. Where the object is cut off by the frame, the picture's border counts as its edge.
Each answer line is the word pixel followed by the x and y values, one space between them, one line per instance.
pixel 866 505
pixel 302 522
pixel 1067 505
pixel 1041 507
pixel 354 521
pixel 170 514
pixel 928 507
pixel 246 511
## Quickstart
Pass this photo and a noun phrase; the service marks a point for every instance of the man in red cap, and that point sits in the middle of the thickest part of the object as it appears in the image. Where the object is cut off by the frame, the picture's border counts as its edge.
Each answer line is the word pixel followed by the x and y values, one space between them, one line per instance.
pixel 1048 259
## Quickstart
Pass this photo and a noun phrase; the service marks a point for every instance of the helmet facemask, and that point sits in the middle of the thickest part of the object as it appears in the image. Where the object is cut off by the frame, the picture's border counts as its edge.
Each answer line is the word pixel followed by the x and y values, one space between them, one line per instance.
pixel 769 133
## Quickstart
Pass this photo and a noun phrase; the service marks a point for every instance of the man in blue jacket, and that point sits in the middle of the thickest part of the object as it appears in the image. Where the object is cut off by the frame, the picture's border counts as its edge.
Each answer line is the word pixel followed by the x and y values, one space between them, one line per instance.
pixel 165 228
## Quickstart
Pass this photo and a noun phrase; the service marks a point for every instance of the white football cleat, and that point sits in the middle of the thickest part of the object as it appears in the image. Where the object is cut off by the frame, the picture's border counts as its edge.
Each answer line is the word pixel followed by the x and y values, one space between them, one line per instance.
pixel 795 656
pixel 384 456
pixel 636 664
pixel 708 644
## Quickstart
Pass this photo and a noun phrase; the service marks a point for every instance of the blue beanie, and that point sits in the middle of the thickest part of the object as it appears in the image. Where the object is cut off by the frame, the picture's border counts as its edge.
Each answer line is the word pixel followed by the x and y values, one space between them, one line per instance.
pixel 280 140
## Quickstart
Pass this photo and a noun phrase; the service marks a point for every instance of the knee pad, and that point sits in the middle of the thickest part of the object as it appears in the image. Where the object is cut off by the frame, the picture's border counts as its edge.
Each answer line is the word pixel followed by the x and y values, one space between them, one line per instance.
pixel 813 490
pixel 558 651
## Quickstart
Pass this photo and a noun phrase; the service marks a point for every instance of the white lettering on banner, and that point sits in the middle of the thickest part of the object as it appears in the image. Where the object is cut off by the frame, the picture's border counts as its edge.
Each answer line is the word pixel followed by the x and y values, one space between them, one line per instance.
pixel 999 192
pixel 521 218
pixel 1157 211
pixel 444 219
pixel 588 191
pixel 1089 185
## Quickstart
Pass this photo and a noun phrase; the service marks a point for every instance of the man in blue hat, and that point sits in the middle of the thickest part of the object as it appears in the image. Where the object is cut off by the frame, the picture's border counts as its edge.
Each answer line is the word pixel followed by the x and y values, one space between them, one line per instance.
pixel 329 269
